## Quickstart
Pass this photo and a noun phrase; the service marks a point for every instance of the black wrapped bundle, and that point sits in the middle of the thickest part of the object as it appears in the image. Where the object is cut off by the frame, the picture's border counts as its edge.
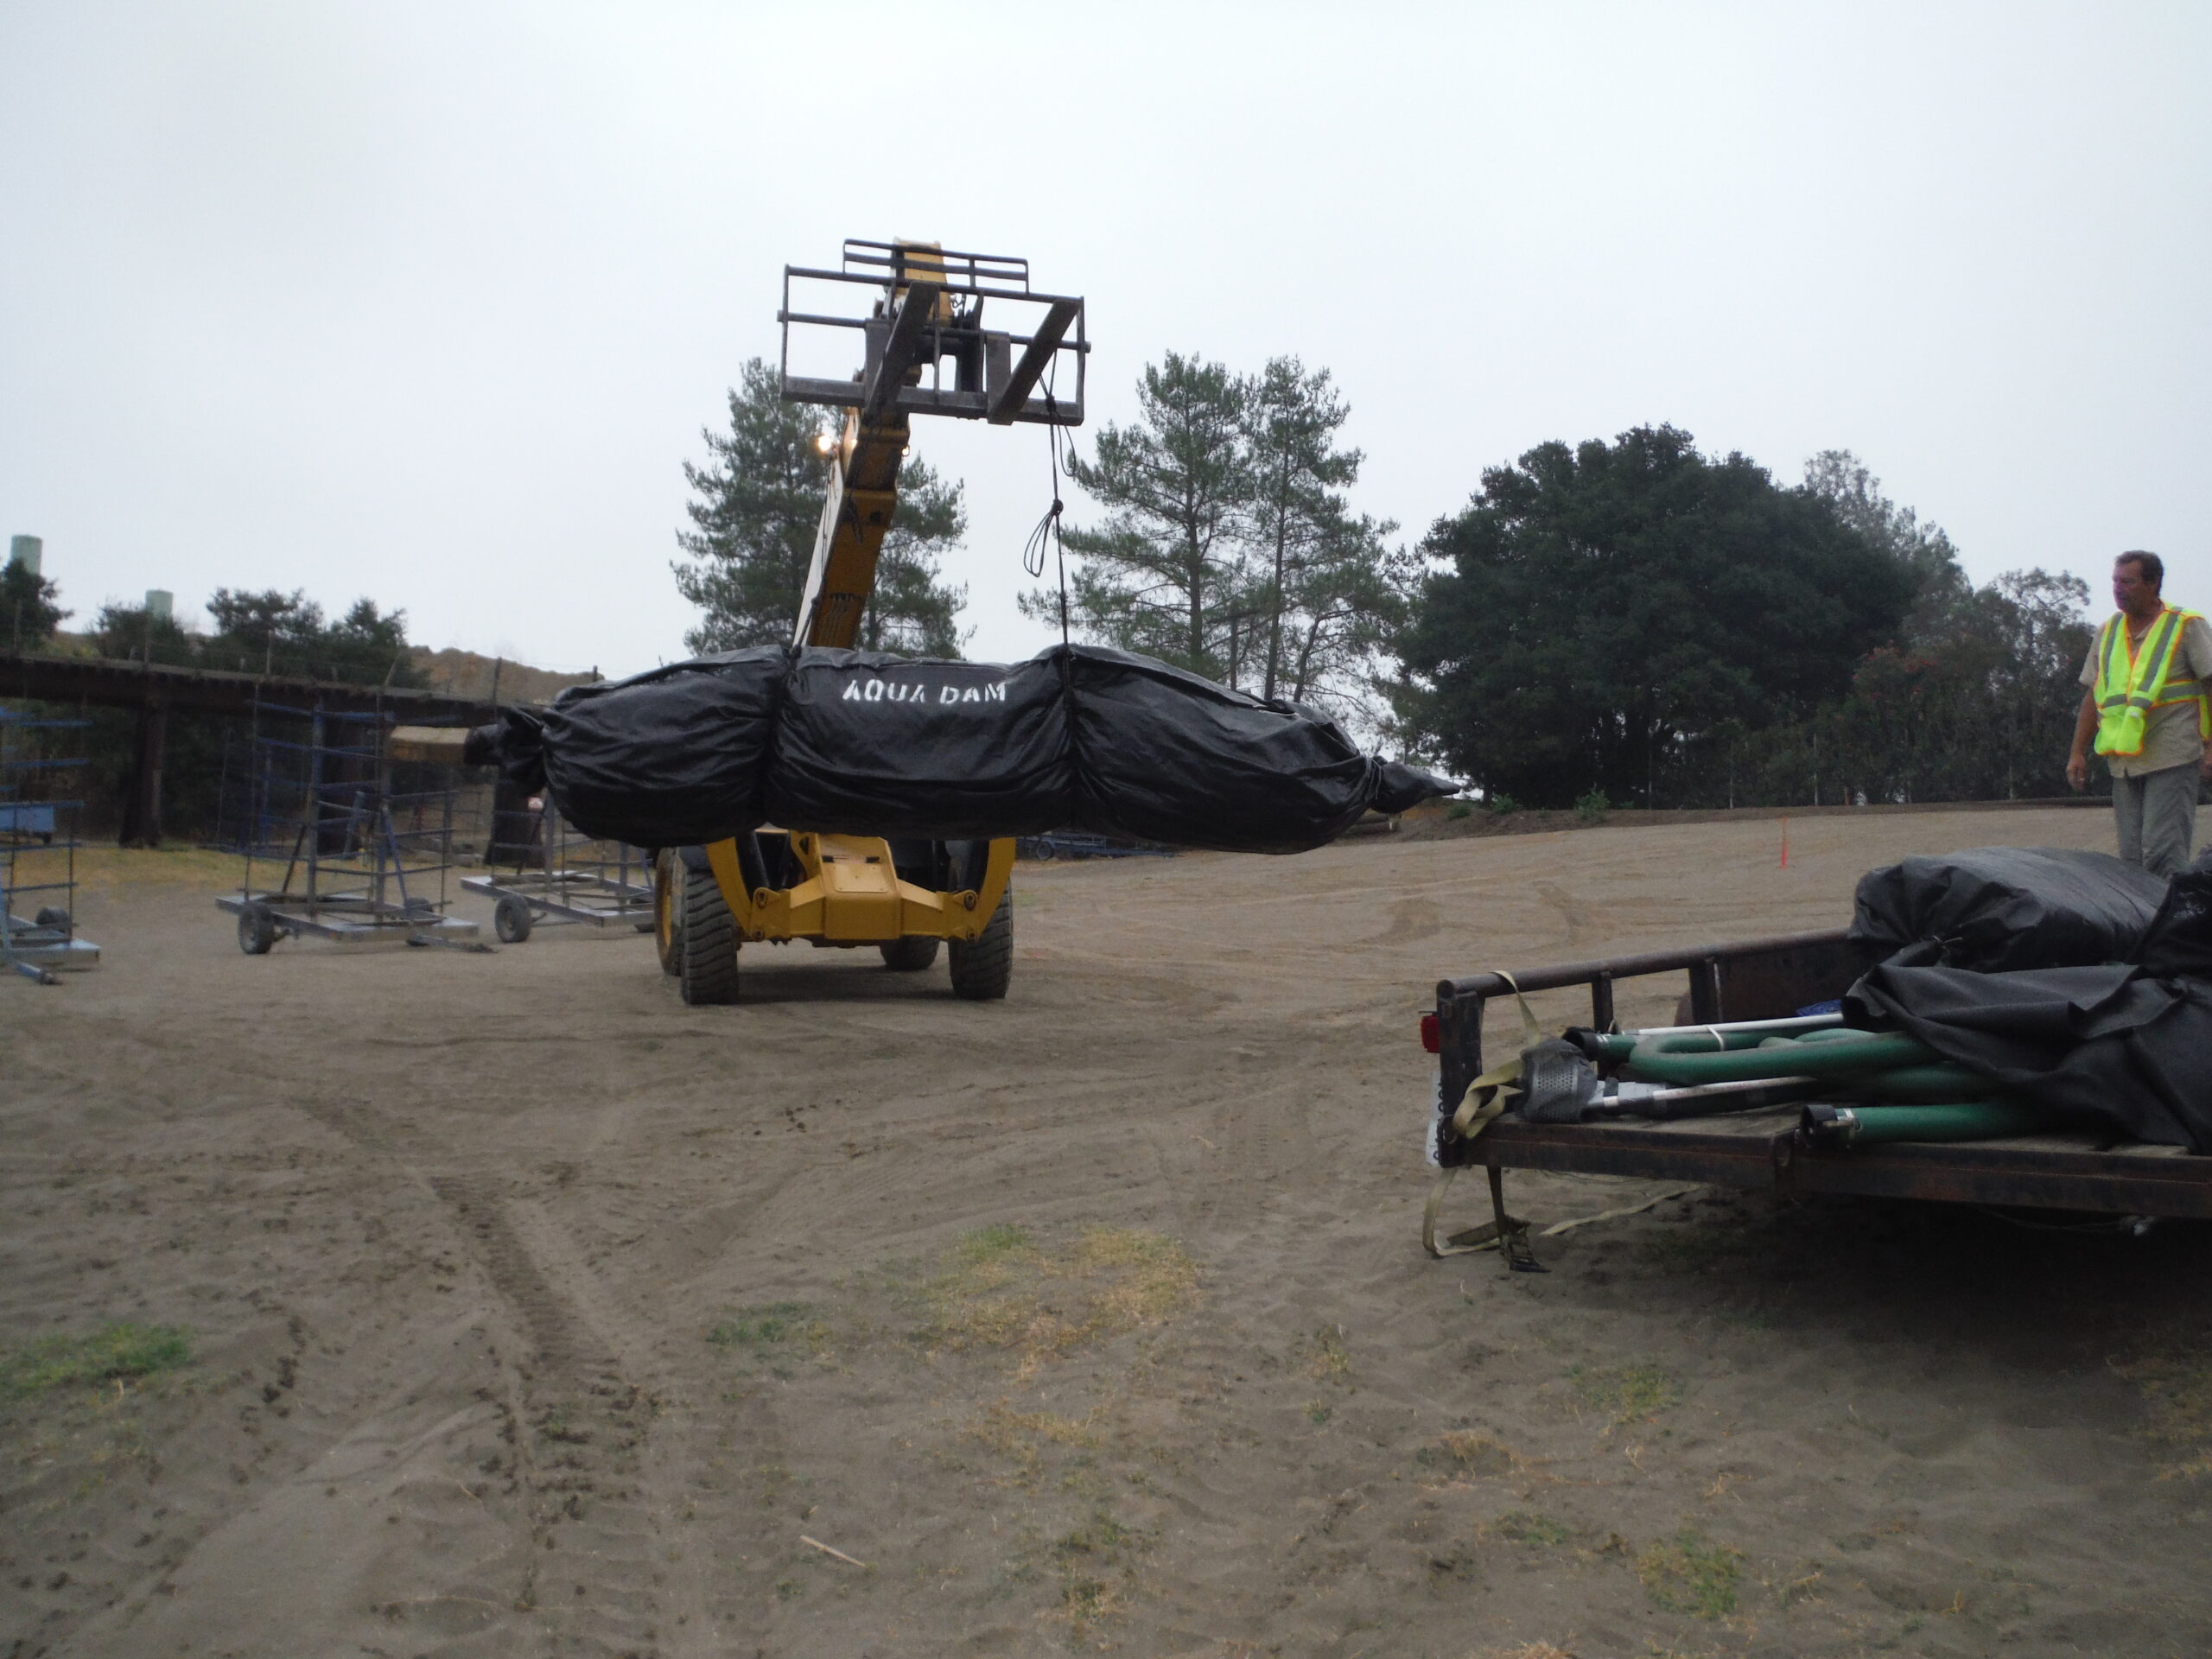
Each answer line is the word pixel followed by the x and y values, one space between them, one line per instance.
pixel 2000 908
pixel 863 743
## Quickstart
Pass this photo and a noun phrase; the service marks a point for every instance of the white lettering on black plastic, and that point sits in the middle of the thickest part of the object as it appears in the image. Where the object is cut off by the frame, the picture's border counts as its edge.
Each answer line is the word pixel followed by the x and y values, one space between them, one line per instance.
pixel 892 692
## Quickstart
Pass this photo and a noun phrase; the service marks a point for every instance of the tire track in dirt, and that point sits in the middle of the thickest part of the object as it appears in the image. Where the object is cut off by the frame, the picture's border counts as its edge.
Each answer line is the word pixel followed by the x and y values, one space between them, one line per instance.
pixel 580 1413
pixel 581 1432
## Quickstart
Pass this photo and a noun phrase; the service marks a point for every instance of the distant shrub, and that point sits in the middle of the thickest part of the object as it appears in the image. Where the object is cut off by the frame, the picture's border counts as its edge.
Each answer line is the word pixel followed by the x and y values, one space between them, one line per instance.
pixel 1591 807
pixel 1457 809
pixel 1502 804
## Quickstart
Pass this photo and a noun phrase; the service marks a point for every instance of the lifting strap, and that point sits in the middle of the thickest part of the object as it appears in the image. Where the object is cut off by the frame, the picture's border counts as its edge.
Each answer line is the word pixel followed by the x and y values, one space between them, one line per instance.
pixel 1485 1101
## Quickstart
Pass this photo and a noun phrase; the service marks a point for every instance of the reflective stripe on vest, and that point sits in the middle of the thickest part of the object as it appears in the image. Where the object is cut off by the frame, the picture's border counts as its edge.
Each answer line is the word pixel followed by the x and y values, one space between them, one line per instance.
pixel 2131 683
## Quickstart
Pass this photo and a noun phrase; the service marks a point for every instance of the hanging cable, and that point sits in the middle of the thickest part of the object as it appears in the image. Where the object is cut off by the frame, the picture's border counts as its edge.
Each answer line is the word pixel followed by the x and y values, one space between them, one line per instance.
pixel 1048 527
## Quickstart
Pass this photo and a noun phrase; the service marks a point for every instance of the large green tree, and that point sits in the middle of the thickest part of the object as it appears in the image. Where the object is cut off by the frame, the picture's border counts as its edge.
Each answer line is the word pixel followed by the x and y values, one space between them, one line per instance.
pixel 756 507
pixel 1163 573
pixel 270 631
pixel 1227 546
pixel 1849 487
pixel 1976 705
pixel 1323 582
pixel 1607 609
pixel 1291 419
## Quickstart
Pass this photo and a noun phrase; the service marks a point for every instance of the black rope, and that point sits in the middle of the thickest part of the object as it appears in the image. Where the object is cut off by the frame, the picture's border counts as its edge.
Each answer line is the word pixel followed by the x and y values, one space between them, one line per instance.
pixel 1048 527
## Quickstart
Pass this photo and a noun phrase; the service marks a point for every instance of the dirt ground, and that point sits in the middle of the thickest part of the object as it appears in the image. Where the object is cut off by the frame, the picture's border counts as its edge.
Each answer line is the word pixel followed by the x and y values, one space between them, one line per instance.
pixel 531 1312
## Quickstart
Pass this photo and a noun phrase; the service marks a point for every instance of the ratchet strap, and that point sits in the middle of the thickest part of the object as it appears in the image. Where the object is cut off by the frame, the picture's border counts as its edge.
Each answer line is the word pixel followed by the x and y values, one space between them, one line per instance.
pixel 1485 1101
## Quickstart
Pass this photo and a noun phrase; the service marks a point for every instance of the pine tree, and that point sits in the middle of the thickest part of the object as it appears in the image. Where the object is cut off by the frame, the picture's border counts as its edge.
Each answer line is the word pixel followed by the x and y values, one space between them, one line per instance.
pixel 29 615
pixel 757 508
pixel 1163 574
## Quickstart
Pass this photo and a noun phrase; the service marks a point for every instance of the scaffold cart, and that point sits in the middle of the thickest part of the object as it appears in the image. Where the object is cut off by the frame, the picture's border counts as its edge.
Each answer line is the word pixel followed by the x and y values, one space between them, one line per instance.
pixel 362 859
pixel 559 878
pixel 38 846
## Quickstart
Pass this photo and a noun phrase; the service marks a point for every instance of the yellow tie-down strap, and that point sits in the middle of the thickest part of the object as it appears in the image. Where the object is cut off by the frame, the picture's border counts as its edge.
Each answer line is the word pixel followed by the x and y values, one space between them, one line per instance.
pixel 1485 1101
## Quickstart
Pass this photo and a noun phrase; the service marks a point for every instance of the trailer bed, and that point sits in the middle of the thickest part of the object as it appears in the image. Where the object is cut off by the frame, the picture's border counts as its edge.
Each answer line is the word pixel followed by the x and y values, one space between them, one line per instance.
pixel 1760 1151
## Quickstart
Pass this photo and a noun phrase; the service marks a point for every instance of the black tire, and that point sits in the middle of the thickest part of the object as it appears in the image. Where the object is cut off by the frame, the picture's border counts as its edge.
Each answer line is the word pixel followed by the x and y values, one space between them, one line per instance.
pixel 511 919
pixel 51 917
pixel 708 945
pixel 981 967
pixel 256 930
pixel 910 954
pixel 668 912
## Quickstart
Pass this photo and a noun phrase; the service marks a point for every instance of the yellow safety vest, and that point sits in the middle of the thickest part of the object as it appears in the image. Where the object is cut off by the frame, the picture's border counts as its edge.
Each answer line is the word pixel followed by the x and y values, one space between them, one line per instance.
pixel 2133 680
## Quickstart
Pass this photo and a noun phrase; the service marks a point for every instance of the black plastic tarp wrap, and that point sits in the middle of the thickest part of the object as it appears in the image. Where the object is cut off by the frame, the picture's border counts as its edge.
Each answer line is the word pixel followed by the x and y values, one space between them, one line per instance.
pixel 2000 908
pixel 2110 1044
pixel 2179 938
pixel 865 743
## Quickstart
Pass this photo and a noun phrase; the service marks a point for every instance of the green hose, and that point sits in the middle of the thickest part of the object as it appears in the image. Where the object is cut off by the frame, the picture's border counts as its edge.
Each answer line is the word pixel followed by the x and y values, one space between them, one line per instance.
pixel 1868 1126
pixel 1824 1034
pixel 1931 1085
pixel 1655 1062
pixel 1619 1044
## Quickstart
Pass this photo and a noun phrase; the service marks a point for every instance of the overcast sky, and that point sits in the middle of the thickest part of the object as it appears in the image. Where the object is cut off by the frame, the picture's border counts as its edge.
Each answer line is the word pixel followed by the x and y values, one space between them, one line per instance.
pixel 430 303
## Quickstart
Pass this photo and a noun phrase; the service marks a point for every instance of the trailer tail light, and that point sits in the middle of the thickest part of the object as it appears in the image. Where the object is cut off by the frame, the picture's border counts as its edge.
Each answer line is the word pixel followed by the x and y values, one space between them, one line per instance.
pixel 1431 1038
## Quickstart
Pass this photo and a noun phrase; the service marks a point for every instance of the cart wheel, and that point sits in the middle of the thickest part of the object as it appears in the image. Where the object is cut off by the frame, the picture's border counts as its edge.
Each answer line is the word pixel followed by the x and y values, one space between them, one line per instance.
pixel 982 968
pixel 256 930
pixel 511 919
pixel 668 912
pixel 910 955
pixel 51 917
pixel 707 943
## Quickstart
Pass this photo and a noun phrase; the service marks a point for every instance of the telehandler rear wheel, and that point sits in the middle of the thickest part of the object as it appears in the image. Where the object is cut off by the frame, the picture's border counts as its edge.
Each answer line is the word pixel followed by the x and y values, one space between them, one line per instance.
pixel 982 967
pixel 707 942
pixel 910 955
pixel 668 911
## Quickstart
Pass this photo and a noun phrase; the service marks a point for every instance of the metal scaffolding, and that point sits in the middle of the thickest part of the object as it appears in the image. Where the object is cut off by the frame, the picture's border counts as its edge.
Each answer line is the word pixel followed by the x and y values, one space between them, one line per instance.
pixel 558 876
pixel 41 775
pixel 314 788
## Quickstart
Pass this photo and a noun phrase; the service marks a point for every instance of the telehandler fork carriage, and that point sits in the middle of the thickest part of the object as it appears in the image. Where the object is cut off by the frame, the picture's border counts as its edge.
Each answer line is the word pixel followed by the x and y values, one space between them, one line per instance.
pixel 920 309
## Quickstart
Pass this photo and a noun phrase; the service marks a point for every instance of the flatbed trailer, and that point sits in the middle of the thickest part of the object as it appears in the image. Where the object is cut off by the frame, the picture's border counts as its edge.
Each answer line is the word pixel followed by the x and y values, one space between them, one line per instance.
pixel 1761 1151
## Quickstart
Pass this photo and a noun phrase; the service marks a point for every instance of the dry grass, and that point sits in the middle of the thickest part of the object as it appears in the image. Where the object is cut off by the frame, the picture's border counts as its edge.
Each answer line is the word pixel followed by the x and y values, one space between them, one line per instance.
pixel 108 871
pixel 1628 1394
pixel 1001 1288
pixel 71 1411
pixel 2175 1376
pixel 1467 1451
pixel 773 1335
pixel 1003 1291
pixel 1328 1356
pixel 1023 1438
pixel 1081 1559
pixel 109 1354
pixel 1687 1573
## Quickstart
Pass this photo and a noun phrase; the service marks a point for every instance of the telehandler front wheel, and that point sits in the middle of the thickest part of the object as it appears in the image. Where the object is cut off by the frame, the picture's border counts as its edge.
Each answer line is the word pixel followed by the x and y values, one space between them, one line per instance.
pixel 706 945
pixel 982 967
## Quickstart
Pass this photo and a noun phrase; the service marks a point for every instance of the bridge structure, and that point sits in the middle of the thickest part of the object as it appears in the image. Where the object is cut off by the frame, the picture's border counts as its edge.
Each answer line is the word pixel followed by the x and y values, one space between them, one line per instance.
pixel 154 690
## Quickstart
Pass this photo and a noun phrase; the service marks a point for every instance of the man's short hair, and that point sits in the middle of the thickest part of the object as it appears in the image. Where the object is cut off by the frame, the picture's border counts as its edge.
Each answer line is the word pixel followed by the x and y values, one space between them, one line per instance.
pixel 2149 566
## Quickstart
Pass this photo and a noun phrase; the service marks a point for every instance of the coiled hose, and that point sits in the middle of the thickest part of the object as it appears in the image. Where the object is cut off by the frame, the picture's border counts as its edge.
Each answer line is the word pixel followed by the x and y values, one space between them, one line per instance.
pixel 1661 1058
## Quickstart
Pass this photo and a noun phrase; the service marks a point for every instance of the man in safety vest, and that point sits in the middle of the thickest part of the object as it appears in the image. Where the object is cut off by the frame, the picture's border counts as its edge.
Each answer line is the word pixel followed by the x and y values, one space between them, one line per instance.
pixel 2150 708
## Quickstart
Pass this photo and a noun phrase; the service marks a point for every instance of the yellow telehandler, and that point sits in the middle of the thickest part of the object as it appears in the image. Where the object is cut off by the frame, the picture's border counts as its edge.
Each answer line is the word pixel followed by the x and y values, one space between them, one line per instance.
pixel 922 310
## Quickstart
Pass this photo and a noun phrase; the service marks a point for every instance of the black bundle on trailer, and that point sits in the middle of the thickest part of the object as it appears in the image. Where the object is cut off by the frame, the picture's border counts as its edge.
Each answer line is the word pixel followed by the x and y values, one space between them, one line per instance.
pixel 1998 908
